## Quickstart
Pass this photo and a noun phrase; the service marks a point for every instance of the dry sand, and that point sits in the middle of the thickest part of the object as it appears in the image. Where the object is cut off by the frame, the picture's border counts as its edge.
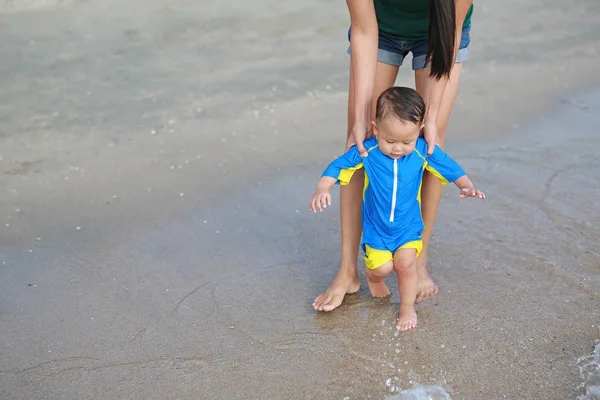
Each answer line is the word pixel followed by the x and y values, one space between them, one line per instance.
pixel 156 159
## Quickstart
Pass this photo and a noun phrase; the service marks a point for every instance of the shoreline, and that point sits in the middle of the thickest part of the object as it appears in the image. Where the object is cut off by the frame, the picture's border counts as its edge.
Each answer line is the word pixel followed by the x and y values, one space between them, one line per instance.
pixel 156 243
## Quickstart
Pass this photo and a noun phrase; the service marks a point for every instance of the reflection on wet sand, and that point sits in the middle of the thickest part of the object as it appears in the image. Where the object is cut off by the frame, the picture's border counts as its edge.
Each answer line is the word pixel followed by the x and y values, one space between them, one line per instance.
pixel 156 163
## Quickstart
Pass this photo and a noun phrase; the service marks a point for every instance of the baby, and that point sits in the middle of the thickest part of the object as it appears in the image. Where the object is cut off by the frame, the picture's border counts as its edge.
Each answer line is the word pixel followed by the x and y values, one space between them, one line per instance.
pixel 391 212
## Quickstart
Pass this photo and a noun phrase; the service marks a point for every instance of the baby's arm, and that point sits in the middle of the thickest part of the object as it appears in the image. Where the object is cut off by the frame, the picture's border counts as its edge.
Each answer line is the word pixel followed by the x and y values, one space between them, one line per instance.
pixel 340 170
pixel 448 170
pixel 322 198
pixel 466 188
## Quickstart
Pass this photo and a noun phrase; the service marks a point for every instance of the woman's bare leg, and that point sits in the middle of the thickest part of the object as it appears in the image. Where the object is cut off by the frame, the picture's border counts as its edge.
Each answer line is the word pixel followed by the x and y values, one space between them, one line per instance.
pixel 346 281
pixel 431 191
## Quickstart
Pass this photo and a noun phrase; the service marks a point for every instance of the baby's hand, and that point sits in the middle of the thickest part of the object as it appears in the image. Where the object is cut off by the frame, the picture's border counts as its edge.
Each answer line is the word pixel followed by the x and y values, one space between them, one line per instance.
pixel 320 200
pixel 471 192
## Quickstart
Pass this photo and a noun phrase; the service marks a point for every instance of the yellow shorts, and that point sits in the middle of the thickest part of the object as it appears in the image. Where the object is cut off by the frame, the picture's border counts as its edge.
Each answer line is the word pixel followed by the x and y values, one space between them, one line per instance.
pixel 375 258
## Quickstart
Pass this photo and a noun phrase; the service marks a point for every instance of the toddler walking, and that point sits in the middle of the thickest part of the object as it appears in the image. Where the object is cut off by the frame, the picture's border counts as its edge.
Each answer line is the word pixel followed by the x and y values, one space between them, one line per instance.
pixel 391 212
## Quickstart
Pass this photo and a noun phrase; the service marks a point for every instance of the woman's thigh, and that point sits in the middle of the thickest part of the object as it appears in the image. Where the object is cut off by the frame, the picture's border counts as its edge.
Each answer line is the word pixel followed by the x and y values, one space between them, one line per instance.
pixel 385 77
pixel 422 82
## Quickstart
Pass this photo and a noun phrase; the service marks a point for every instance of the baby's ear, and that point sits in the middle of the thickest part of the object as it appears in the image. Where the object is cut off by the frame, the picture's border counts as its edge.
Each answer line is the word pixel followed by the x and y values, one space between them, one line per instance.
pixel 374 127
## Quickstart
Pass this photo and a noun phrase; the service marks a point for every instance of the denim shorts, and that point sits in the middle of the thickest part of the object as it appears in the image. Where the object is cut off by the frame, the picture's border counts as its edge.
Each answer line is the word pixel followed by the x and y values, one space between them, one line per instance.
pixel 392 51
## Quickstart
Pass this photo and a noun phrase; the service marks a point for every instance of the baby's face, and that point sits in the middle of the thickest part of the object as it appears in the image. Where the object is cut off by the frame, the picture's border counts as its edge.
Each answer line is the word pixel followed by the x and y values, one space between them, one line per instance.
pixel 396 138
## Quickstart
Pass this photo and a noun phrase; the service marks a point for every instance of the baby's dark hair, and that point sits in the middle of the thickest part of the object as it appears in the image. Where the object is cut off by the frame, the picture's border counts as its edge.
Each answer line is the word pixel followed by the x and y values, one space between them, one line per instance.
pixel 402 103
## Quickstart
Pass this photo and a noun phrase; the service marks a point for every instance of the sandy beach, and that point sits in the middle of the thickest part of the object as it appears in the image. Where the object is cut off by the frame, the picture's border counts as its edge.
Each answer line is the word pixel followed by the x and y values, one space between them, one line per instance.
pixel 156 161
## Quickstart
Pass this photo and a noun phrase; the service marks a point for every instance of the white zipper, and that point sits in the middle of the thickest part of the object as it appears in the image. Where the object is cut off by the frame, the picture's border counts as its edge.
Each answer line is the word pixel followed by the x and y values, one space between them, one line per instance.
pixel 394 190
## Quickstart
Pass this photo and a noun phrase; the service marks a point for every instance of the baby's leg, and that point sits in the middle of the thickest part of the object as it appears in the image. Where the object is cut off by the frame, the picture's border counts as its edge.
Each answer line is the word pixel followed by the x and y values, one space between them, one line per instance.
pixel 375 280
pixel 405 265
pixel 379 264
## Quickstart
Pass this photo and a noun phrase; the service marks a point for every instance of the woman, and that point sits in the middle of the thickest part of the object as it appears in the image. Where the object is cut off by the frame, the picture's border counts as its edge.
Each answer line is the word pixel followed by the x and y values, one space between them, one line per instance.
pixel 382 33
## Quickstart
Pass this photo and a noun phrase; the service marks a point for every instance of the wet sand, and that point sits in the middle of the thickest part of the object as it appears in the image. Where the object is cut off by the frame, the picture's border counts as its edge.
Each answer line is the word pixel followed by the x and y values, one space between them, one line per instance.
pixel 156 162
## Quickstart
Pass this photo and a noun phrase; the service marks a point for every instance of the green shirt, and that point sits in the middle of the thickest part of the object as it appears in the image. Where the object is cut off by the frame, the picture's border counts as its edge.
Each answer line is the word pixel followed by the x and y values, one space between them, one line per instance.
pixel 406 19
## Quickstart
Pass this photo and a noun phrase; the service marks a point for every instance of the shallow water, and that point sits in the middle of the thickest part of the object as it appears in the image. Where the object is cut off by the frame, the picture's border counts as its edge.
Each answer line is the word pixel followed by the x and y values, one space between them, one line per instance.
pixel 419 392
pixel 155 239
pixel 589 369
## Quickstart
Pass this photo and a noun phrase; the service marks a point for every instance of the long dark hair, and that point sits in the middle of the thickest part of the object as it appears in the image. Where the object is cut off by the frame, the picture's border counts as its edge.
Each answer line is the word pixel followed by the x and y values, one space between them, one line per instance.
pixel 442 34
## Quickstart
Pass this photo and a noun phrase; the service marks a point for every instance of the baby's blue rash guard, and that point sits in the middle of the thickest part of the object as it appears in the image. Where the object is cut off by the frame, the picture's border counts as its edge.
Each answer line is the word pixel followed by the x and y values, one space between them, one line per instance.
pixel 391 211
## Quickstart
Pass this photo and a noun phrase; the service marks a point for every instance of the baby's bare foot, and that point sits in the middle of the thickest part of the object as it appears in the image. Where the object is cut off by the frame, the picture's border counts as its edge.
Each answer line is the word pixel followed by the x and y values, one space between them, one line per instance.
pixel 378 289
pixel 407 319
pixel 377 286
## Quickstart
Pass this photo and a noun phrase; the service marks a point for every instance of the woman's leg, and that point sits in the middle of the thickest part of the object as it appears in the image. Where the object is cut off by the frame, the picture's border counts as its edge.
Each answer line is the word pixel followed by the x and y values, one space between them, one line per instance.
pixel 346 280
pixel 431 191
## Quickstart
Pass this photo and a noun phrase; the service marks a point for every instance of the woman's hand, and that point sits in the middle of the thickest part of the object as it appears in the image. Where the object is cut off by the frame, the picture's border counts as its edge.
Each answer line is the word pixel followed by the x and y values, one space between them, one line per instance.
pixel 359 133
pixel 430 131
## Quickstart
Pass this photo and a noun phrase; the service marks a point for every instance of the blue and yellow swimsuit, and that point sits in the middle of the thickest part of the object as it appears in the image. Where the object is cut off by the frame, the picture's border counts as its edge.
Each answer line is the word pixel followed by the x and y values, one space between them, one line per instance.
pixel 391 211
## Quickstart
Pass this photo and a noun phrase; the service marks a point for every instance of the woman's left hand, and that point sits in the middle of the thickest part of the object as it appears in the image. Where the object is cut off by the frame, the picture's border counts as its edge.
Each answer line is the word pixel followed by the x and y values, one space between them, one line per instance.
pixel 430 131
